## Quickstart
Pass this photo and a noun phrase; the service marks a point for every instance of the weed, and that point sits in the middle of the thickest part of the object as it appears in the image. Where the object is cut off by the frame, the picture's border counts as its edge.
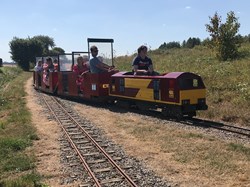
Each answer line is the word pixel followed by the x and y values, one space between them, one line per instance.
pixel 13 144
pixel 192 135
pixel 28 180
pixel 18 162
pixel 240 149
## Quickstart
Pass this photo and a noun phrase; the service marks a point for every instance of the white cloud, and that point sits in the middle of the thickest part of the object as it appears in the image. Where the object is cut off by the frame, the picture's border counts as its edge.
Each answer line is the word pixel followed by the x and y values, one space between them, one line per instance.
pixel 187 7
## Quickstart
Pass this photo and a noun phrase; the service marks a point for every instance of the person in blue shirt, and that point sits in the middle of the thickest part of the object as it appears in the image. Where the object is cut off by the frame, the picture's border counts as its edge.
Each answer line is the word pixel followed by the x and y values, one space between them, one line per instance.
pixel 96 65
pixel 142 64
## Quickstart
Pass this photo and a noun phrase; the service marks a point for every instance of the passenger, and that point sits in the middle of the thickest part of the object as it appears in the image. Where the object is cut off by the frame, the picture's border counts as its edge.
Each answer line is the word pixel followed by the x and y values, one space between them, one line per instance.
pixel 47 67
pixel 55 64
pixel 142 64
pixel 81 68
pixel 100 58
pixel 39 66
pixel 96 66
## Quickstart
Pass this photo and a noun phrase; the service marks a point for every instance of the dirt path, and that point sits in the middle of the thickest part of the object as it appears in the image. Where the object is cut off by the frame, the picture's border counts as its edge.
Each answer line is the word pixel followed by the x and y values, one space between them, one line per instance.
pixel 46 149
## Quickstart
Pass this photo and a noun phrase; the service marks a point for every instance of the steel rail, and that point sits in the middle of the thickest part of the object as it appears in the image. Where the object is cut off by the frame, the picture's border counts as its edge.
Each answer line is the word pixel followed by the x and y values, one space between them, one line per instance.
pixel 221 126
pixel 131 182
pixel 84 163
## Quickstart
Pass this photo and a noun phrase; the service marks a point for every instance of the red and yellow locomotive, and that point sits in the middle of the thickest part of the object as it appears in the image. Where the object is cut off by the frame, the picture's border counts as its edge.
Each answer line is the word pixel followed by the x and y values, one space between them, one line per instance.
pixel 176 93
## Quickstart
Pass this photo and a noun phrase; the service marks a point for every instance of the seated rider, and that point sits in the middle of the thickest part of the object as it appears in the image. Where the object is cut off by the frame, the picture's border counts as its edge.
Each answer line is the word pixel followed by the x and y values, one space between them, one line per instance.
pixel 47 67
pixel 39 66
pixel 80 69
pixel 142 64
pixel 55 64
pixel 96 65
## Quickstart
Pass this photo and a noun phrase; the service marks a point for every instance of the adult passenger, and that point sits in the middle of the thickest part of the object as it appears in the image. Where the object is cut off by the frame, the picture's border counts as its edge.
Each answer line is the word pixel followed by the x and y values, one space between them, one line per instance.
pixel 142 64
pixel 96 66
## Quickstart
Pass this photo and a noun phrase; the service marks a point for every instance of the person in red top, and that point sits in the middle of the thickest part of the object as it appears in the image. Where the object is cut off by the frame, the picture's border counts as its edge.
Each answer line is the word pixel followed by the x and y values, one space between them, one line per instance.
pixel 80 69
pixel 47 67
pixel 55 63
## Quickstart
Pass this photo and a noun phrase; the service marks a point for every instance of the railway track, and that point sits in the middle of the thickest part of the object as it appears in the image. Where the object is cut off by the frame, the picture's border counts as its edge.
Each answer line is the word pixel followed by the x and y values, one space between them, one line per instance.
pixel 220 126
pixel 95 163
pixel 100 165
pixel 243 132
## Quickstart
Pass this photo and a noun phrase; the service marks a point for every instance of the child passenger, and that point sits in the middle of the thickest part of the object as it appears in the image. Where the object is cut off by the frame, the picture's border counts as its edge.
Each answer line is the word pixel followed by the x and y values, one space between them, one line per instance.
pixel 80 69
pixel 47 67
pixel 39 66
pixel 55 64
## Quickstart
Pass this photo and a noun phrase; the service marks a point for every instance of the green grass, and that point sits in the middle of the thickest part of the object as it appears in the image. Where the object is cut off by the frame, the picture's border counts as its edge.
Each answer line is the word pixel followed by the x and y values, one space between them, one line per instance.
pixel 29 180
pixel 16 131
pixel 228 83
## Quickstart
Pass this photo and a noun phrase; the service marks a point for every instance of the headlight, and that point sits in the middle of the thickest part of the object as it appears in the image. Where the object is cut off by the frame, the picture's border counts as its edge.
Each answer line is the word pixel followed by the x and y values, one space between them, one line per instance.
pixel 185 102
pixel 202 101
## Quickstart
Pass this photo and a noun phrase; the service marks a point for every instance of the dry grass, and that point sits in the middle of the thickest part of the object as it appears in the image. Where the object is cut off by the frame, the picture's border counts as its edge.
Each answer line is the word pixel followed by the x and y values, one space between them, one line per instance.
pixel 185 157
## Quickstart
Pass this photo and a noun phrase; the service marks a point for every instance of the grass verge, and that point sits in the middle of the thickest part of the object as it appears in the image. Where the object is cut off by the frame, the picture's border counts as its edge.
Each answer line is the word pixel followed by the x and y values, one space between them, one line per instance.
pixel 17 168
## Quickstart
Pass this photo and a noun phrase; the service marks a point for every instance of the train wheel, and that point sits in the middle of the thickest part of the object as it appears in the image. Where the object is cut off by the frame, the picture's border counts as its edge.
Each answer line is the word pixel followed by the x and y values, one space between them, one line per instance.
pixel 179 116
pixel 191 114
pixel 123 104
pixel 142 106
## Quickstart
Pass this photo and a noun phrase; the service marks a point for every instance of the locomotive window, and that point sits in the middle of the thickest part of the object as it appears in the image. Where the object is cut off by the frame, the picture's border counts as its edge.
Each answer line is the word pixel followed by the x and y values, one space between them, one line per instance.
pixel 195 83
pixel 122 88
pixel 189 83
pixel 156 84
pixel 65 62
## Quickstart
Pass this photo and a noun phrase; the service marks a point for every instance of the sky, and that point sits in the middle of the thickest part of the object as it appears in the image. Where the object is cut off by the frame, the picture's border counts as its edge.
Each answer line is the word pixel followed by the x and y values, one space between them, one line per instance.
pixel 130 23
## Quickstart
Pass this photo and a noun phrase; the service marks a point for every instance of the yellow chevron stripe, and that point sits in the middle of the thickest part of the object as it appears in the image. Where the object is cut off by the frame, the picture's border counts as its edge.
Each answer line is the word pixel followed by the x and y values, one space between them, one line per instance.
pixel 141 84
pixel 137 83
pixel 192 95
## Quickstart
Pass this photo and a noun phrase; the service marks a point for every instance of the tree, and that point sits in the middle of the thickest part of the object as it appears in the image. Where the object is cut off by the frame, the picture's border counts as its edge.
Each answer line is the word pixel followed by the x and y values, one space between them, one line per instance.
pixel 224 36
pixel 163 46
pixel 24 51
pixel 191 42
pixel 46 42
pixel 183 43
pixel 246 39
pixel 56 51
pixel 170 45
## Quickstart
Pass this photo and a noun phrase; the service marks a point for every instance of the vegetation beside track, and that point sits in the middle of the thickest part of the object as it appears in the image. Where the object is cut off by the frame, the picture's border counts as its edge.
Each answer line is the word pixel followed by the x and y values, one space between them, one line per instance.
pixel 17 166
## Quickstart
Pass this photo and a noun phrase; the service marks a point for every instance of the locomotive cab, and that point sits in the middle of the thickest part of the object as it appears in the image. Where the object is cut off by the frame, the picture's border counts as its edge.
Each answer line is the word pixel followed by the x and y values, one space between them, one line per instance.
pixel 192 95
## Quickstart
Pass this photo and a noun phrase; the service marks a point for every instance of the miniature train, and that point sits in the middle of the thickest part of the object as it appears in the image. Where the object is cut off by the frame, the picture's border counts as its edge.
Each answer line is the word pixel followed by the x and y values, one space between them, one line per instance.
pixel 176 94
